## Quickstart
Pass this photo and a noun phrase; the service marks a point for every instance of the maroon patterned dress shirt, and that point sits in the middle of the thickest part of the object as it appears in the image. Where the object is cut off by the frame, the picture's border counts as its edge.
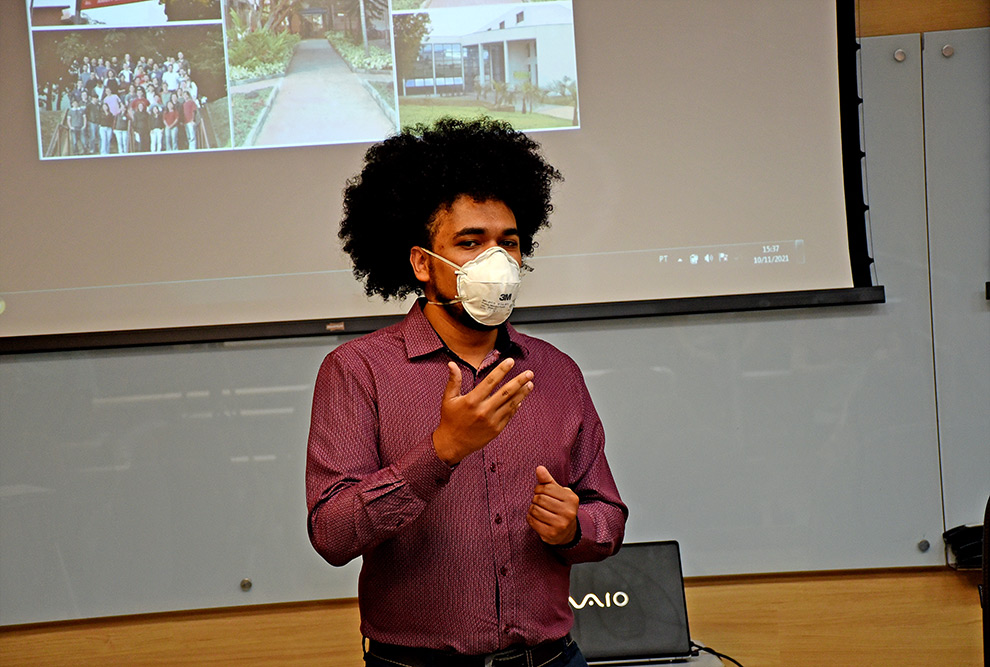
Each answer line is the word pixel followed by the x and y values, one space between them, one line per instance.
pixel 449 560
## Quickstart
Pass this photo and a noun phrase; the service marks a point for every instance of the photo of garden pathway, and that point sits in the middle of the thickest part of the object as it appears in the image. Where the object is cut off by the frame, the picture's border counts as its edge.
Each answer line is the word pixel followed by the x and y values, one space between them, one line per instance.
pixel 319 101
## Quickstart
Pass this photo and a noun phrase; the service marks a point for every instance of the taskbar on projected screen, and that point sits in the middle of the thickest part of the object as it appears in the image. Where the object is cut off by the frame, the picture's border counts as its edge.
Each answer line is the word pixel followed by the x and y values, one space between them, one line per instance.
pixel 756 254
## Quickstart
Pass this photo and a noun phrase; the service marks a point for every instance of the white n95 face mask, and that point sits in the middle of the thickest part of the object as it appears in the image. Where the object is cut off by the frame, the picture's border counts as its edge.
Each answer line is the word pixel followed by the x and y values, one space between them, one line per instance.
pixel 487 286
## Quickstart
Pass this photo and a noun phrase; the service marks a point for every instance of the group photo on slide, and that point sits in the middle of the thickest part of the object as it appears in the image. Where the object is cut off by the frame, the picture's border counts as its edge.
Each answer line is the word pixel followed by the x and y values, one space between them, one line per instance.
pixel 107 85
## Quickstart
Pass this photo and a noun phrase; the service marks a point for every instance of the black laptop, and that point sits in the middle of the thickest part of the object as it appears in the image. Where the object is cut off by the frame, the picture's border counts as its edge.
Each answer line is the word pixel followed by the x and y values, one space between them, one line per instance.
pixel 629 609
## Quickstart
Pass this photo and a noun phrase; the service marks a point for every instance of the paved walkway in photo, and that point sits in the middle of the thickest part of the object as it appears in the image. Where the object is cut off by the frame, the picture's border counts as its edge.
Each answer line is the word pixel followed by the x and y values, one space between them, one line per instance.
pixel 321 101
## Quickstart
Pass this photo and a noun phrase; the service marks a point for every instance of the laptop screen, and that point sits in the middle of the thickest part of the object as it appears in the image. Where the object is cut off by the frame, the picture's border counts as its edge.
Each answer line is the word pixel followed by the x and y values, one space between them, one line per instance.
pixel 631 606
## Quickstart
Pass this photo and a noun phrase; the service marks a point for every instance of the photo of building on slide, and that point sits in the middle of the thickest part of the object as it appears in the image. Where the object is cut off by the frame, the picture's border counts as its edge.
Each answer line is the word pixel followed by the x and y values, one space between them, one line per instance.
pixel 512 61
pixel 310 73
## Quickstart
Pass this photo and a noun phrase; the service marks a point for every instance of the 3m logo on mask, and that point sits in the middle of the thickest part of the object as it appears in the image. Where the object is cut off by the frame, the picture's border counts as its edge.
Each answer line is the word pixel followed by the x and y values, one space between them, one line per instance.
pixel 616 599
pixel 505 297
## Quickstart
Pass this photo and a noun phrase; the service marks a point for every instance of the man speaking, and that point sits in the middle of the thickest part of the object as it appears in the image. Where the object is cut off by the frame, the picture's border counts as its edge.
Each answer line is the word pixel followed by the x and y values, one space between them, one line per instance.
pixel 462 460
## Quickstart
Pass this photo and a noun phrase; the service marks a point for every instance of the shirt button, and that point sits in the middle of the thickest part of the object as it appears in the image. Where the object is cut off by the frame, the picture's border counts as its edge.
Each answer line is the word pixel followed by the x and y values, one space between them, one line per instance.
pixel 492 467
pixel 498 519
pixel 503 571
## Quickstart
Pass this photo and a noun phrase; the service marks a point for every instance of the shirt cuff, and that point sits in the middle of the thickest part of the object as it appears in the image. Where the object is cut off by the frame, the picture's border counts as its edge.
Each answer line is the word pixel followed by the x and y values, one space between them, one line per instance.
pixel 423 470
pixel 582 546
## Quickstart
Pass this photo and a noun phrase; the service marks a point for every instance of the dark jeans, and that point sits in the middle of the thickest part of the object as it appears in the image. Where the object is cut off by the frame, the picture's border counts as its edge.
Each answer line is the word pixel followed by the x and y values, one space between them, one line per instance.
pixel 571 657
pixel 77 140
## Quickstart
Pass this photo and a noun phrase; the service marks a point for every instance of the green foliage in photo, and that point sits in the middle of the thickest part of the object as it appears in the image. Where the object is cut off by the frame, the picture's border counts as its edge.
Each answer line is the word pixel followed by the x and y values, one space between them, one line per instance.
pixel 410 30
pixel 411 114
pixel 376 58
pixel 246 109
pixel 258 53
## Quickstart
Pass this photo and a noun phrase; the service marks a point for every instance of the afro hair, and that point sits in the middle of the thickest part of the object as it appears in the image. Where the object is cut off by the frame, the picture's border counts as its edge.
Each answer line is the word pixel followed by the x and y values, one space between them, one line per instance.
pixel 408 178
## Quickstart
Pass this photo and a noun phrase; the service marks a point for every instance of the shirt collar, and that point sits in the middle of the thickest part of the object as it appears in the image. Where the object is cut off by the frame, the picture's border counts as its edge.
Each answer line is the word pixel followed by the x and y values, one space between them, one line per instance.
pixel 421 339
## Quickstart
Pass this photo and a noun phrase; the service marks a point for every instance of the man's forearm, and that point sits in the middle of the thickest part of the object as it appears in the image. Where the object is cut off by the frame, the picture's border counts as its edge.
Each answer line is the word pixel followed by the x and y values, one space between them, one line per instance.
pixel 355 514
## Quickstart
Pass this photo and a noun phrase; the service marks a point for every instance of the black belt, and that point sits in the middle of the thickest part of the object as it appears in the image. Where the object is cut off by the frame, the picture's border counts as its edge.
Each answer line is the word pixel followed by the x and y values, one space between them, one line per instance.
pixel 523 656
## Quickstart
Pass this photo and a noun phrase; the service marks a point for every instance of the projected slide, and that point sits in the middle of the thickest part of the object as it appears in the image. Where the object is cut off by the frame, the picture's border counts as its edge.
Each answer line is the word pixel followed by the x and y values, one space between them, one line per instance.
pixel 118 77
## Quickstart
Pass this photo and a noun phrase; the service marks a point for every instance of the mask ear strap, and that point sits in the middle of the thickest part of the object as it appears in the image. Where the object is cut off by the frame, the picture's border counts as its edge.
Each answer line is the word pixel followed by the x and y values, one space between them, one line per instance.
pixel 443 303
pixel 442 259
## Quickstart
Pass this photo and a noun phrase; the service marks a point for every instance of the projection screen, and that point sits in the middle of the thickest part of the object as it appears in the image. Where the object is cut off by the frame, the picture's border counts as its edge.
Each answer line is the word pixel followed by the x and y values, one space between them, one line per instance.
pixel 710 150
